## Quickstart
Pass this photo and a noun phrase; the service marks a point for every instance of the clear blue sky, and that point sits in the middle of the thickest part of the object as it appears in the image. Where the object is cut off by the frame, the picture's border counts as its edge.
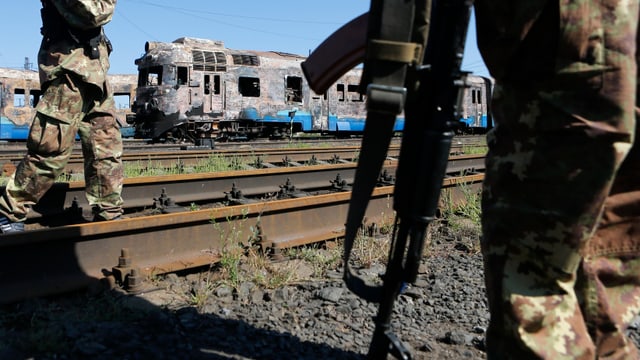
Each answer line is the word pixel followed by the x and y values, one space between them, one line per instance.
pixel 284 25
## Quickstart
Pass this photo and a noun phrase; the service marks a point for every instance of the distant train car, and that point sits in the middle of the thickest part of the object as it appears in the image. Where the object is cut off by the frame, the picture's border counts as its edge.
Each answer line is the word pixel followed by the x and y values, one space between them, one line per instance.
pixel 476 115
pixel 195 90
pixel 20 93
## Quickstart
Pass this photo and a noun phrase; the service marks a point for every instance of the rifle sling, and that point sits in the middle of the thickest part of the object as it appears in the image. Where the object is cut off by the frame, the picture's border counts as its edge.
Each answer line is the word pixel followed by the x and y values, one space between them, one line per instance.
pixel 401 52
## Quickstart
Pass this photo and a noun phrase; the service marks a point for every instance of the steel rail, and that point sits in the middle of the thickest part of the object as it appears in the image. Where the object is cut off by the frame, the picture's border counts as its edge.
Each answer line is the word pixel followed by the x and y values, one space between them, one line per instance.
pixel 190 158
pixel 69 198
pixel 61 259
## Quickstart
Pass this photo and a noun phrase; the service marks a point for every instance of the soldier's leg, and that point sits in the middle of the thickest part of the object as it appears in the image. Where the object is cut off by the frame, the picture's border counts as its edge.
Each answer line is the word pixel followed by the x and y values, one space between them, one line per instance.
pixel 542 196
pixel 102 150
pixel 610 281
pixel 49 146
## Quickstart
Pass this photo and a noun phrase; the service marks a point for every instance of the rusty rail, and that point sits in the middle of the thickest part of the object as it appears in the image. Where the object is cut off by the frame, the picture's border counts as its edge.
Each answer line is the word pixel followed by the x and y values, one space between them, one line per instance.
pixel 61 259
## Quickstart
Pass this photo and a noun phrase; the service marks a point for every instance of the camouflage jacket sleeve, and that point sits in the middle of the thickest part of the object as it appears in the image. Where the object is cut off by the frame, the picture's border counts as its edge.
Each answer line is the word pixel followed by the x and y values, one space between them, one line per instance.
pixel 86 14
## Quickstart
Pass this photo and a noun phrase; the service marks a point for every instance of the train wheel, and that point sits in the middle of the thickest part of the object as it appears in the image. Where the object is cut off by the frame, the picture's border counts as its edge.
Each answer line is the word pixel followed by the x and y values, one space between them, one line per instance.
pixel 179 136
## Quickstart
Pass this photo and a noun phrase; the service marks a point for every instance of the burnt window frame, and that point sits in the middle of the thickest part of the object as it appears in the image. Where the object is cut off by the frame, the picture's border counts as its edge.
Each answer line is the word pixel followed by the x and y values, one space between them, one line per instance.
pixel 20 94
pixel 249 86
pixel 144 73
pixel 340 89
pixel 293 89
pixel 354 93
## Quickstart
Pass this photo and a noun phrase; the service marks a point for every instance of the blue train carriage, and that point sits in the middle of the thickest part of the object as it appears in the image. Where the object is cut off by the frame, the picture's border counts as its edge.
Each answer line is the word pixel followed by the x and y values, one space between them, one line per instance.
pixel 267 95
pixel 346 106
pixel 476 116
pixel 20 93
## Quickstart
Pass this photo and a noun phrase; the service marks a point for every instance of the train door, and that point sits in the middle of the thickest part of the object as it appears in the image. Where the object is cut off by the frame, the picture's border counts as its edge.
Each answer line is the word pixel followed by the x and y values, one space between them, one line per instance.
pixel 212 94
pixel 476 105
pixel 318 110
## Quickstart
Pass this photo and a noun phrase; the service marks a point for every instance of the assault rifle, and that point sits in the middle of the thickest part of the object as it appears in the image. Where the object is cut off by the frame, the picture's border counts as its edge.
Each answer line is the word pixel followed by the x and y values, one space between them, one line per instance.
pixel 412 53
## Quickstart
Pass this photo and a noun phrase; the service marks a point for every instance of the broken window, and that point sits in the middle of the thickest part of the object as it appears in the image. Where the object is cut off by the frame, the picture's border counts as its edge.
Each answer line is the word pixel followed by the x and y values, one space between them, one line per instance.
pixel 34 97
pixel 209 86
pixel 122 100
pixel 19 98
pixel 249 86
pixel 354 93
pixel 216 84
pixel 340 88
pixel 151 76
pixel 183 75
pixel 293 89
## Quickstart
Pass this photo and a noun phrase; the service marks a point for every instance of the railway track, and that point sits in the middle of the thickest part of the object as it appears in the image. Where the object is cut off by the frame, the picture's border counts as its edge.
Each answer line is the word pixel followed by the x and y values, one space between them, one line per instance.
pixel 185 161
pixel 181 222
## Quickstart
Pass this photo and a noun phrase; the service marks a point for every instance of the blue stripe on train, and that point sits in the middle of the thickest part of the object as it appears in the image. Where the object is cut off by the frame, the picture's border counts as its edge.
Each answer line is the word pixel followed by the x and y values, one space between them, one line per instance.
pixel 11 131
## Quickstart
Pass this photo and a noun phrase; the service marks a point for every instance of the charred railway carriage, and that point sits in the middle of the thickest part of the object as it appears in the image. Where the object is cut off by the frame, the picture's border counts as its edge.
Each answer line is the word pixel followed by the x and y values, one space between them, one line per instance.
pixel 196 90
pixel 20 93
pixel 475 116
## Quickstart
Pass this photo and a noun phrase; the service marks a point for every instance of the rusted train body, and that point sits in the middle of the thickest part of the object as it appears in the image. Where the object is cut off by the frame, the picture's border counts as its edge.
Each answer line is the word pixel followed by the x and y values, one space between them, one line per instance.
pixel 194 89
pixel 20 93
pixel 475 117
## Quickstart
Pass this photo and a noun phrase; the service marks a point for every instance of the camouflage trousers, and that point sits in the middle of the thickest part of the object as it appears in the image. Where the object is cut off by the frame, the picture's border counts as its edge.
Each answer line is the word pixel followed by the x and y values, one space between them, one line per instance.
pixel 561 201
pixel 69 107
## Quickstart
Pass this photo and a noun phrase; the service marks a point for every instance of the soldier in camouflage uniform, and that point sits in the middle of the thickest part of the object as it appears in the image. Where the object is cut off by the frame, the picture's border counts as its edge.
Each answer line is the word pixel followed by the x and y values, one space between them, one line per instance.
pixel 73 61
pixel 561 201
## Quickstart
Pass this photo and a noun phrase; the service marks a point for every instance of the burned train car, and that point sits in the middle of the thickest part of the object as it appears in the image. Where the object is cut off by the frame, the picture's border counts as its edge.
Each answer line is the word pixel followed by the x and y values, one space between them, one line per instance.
pixel 20 92
pixel 196 90
pixel 476 97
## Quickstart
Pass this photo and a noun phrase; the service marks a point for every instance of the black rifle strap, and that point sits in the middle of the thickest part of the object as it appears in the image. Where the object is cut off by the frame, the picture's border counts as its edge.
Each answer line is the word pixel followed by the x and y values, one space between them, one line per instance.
pixel 390 50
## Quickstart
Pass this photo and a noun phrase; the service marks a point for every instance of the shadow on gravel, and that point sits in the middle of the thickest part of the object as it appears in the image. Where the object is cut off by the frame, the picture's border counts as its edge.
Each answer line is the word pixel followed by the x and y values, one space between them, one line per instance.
pixel 212 336
pixel 227 339
pixel 116 326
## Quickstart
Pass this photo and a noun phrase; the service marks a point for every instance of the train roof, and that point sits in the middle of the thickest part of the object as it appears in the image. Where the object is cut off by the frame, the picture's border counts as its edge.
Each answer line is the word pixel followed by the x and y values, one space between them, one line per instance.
pixel 19 74
pixel 212 54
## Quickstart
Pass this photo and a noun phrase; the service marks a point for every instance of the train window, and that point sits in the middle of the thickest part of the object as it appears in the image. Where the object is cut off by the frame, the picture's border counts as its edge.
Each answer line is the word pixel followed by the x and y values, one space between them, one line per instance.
pixel 34 97
pixel 293 90
pixel 208 85
pixel 216 84
pixel 122 100
pixel 479 96
pixel 19 98
pixel 249 86
pixel 183 75
pixel 340 89
pixel 150 76
pixel 354 93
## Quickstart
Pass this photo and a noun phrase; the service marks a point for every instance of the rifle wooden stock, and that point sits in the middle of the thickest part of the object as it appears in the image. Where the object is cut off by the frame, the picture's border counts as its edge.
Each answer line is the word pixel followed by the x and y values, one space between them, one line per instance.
pixel 339 53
